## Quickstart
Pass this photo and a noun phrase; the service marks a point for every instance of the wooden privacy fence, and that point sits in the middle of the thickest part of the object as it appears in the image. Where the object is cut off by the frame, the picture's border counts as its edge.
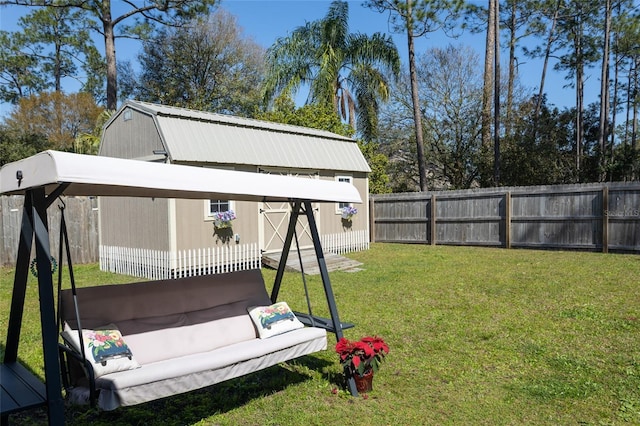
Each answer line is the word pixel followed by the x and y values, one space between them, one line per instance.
pixel 81 215
pixel 598 217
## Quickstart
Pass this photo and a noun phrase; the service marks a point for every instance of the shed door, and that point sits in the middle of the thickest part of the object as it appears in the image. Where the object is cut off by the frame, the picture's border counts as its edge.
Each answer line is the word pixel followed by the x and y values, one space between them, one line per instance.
pixel 275 218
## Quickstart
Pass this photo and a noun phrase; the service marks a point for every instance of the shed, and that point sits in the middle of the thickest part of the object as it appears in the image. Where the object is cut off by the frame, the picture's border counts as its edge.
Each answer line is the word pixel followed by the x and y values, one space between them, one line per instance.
pixel 181 233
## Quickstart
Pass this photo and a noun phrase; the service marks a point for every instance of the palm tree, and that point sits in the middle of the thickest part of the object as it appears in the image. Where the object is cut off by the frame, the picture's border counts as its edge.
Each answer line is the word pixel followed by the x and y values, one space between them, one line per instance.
pixel 349 71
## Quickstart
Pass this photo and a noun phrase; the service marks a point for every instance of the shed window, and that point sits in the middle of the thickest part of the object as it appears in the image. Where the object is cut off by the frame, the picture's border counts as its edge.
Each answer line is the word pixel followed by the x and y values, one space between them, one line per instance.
pixel 346 179
pixel 216 206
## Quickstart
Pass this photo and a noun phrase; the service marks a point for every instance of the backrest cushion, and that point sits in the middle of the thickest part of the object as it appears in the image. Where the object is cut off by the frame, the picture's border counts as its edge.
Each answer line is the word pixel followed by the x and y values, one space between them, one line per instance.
pixel 153 305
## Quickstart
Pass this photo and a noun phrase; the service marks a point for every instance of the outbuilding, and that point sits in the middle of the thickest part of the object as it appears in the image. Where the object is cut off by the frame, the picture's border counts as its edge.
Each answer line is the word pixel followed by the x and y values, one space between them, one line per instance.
pixel 153 237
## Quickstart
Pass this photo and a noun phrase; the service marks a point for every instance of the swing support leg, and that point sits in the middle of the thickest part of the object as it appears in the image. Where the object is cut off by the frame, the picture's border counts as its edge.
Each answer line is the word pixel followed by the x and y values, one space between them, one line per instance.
pixel 19 283
pixel 34 224
pixel 48 321
pixel 306 208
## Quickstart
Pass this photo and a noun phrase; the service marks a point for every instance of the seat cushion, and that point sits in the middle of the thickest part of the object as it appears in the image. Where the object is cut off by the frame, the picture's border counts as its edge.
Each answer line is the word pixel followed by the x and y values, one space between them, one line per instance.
pixel 183 374
pixel 175 342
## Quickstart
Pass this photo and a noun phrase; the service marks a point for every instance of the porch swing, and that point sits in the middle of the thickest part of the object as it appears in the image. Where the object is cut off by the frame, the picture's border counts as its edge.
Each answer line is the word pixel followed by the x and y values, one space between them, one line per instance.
pixel 50 174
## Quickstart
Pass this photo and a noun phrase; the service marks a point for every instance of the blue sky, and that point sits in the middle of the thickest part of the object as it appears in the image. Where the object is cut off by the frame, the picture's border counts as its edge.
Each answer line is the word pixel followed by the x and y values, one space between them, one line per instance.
pixel 266 20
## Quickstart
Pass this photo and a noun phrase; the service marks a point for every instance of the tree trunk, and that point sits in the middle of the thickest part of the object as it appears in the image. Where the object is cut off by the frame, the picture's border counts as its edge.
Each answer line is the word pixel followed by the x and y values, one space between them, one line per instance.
pixel 634 122
pixel 627 122
pixel 543 77
pixel 634 106
pixel 496 96
pixel 58 69
pixel 579 98
pixel 604 95
pixel 632 103
pixel 614 104
pixel 488 78
pixel 110 55
pixel 417 115
pixel 512 68
pixel 579 121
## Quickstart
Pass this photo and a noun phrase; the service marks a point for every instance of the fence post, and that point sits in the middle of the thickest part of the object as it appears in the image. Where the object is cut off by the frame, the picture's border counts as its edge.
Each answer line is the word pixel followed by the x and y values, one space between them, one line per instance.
pixel 432 224
pixel 507 219
pixel 605 219
pixel 372 219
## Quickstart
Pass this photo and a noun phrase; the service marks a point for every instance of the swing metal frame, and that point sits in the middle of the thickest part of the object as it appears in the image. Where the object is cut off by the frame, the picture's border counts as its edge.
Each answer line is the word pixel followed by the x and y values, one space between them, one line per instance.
pixel 333 324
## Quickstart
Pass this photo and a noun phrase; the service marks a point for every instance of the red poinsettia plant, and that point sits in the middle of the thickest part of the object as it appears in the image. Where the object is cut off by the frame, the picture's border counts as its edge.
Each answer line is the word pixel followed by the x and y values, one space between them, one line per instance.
pixel 363 355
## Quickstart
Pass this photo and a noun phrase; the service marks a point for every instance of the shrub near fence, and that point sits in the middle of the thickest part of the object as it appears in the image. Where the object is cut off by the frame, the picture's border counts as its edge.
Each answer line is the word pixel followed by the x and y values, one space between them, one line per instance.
pixel 598 217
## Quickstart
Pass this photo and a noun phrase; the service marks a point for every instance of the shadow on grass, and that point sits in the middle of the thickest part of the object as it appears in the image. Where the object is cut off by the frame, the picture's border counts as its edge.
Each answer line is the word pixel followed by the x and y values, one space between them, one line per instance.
pixel 191 407
pixel 20 361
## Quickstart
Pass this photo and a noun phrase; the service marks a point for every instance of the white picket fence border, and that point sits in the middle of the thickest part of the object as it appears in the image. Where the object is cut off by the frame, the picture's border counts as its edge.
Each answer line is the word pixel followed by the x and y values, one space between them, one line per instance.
pixel 161 265
pixel 345 242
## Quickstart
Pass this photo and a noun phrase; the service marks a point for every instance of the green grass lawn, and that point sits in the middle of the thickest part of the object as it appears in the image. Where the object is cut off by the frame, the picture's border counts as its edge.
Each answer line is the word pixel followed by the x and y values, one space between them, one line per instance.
pixel 478 336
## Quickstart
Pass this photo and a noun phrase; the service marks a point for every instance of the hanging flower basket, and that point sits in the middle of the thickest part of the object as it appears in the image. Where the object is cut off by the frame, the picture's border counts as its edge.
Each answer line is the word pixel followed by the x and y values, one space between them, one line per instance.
pixel 223 220
pixel 348 212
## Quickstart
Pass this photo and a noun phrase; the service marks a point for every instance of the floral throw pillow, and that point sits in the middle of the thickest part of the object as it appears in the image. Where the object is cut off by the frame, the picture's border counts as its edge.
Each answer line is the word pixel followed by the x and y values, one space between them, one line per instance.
pixel 104 348
pixel 274 319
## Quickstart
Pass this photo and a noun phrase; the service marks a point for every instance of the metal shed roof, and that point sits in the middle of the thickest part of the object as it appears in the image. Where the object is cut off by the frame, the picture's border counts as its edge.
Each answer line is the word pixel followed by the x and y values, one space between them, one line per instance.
pixel 106 176
pixel 198 136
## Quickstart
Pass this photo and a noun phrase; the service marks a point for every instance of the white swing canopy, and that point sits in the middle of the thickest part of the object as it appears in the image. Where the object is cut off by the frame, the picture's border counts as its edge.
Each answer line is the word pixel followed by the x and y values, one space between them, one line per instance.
pixel 106 176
